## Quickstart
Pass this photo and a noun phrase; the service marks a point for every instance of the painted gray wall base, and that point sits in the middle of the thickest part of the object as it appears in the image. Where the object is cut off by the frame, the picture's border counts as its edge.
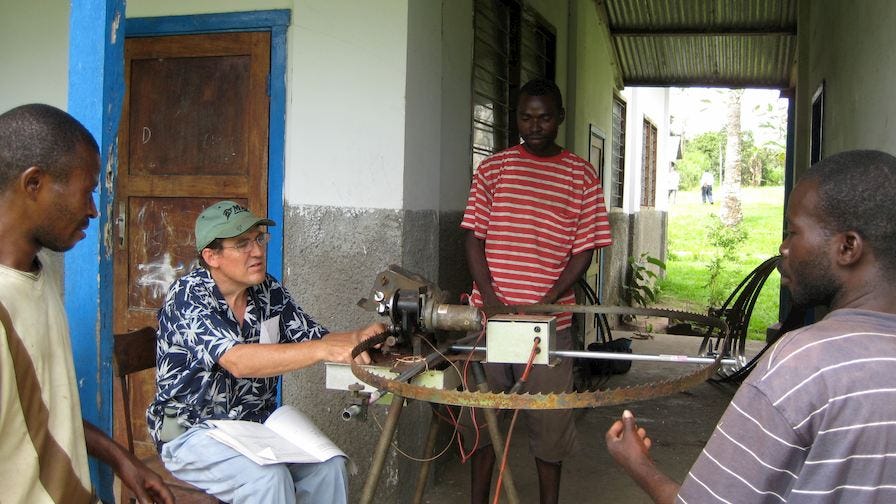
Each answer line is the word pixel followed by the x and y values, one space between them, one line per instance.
pixel 644 231
pixel 615 262
pixel 648 233
pixel 454 276
pixel 331 258
pixel 616 258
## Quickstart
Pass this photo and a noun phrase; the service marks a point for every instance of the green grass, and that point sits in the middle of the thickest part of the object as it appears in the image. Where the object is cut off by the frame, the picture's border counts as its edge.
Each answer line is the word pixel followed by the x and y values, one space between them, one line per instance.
pixel 689 252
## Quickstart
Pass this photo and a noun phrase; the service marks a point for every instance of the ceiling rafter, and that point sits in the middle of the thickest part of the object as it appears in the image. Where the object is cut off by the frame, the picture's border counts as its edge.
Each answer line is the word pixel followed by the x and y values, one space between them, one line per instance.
pixel 723 43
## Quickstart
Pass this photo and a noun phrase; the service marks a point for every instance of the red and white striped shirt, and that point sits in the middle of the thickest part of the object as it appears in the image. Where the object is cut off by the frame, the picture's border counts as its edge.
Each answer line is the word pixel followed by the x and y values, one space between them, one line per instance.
pixel 534 213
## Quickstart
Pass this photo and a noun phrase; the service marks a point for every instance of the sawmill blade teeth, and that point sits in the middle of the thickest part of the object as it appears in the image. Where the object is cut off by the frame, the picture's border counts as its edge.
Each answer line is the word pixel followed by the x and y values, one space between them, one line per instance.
pixel 585 399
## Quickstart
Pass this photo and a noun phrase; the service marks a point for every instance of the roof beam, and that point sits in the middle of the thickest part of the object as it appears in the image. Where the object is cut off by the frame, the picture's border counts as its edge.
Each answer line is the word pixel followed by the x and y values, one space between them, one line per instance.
pixel 689 32
pixel 704 81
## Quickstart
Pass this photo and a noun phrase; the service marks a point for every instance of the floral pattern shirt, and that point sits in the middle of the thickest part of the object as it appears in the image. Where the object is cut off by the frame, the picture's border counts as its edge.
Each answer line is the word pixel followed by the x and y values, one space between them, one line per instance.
pixel 196 328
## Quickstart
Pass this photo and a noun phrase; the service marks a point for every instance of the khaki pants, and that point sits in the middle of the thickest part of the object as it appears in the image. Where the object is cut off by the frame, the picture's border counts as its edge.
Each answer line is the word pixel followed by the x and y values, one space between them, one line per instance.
pixel 552 433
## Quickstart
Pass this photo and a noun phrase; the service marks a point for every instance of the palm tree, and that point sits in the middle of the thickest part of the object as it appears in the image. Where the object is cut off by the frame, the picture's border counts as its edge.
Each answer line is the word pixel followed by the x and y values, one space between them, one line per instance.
pixel 731 213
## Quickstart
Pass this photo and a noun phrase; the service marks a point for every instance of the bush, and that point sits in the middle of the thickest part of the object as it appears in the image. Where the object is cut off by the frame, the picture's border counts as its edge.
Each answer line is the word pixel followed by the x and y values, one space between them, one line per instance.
pixel 691 251
pixel 727 241
pixel 760 165
pixel 642 287
pixel 690 168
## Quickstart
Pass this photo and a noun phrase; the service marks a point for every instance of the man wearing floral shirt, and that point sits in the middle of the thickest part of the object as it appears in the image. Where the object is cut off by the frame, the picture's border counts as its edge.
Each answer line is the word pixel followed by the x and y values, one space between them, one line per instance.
pixel 226 332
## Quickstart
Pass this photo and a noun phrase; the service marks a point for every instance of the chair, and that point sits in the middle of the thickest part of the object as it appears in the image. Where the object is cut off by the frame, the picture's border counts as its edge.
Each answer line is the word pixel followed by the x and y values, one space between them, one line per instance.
pixel 134 355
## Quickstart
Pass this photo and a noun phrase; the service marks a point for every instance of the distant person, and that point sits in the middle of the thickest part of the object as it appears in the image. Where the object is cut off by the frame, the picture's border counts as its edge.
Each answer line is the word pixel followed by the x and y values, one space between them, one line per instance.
pixel 674 181
pixel 227 331
pixel 534 216
pixel 706 182
pixel 49 168
pixel 815 422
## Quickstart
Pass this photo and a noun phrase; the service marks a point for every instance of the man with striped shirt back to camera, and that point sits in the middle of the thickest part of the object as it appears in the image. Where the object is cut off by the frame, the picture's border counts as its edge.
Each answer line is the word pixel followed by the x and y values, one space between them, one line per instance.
pixel 816 419
pixel 534 216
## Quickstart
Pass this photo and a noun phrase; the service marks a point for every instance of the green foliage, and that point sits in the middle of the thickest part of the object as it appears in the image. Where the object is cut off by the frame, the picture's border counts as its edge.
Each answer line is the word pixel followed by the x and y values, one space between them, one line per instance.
pixel 726 241
pixel 774 121
pixel 760 165
pixel 772 166
pixel 643 287
pixel 689 252
pixel 725 238
pixel 691 166
pixel 709 148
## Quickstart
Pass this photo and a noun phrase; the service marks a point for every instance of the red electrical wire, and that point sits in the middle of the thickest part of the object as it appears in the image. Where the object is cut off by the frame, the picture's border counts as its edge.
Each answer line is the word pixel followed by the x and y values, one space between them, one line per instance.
pixel 523 378
pixel 456 421
pixel 464 456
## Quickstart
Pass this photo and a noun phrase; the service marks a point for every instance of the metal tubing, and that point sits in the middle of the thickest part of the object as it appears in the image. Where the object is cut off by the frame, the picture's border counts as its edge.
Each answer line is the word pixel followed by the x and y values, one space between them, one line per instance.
pixel 491 420
pixel 427 456
pixel 351 412
pixel 382 449
pixel 683 359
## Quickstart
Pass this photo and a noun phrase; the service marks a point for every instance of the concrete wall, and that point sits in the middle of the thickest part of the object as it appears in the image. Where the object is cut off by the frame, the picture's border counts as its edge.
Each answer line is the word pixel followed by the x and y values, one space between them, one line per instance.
pixel 637 229
pixel 346 117
pixel 334 253
pixel 34 54
pixel 591 81
pixel 34 57
pixel 456 160
pixel 634 233
pixel 648 234
pixel 651 104
pixel 847 45
pixel 150 8
pixel 616 258
pixel 591 84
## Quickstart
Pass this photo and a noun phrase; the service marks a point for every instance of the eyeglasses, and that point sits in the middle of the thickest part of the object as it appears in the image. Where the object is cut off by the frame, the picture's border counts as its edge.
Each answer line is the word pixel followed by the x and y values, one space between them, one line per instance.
pixel 245 245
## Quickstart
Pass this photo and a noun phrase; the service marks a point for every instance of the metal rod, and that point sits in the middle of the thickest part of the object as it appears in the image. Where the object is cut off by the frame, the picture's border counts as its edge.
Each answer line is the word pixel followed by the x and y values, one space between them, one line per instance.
pixel 491 420
pixel 427 457
pixel 353 411
pixel 415 369
pixel 382 449
pixel 682 359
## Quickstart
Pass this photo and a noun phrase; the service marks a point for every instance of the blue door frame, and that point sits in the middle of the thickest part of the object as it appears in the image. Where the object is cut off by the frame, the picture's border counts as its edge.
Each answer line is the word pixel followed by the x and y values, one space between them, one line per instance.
pixel 95 95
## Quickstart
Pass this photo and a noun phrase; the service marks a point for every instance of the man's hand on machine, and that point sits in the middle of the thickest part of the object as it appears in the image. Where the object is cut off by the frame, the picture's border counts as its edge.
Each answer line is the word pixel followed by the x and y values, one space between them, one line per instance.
pixel 340 345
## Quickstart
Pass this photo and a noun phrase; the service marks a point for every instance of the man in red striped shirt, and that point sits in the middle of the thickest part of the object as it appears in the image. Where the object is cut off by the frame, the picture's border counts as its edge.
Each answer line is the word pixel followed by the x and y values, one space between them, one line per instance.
pixel 534 216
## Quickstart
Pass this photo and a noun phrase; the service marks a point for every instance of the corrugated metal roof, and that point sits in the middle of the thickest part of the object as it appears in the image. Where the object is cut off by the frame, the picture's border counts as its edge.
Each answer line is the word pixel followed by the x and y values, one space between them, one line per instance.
pixel 730 43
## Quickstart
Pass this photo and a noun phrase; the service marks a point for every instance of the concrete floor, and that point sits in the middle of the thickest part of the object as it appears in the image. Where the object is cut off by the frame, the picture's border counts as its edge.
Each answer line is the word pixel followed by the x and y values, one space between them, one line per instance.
pixel 679 425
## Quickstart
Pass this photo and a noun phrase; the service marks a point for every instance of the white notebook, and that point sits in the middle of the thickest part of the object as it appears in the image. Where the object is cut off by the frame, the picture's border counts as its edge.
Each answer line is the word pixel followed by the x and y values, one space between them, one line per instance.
pixel 287 436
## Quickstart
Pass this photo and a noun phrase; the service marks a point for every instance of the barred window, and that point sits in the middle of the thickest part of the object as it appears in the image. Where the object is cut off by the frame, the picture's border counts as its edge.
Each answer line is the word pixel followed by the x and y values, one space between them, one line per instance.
pixel 615 189
pixel 648 165
pixel 511 45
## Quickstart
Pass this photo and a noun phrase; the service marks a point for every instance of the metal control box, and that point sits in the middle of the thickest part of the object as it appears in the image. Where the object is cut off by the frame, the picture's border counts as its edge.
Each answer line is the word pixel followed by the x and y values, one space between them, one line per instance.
pixel 509 338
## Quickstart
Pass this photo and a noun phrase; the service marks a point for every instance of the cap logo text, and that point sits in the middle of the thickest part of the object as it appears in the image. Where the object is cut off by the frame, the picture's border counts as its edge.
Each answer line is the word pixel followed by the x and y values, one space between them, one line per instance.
pixel 235 209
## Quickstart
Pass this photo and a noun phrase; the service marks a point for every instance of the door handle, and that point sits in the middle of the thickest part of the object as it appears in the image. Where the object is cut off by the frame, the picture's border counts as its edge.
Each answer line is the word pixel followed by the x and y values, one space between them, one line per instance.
pixel 122 223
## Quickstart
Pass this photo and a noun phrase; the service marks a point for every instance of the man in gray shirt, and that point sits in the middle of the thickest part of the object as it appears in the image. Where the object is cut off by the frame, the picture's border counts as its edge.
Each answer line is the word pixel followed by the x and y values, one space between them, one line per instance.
pixel 816 420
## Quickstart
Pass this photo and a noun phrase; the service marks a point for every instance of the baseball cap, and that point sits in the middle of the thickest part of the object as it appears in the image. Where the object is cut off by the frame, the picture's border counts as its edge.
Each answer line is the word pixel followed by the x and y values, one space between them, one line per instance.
pixel 225 219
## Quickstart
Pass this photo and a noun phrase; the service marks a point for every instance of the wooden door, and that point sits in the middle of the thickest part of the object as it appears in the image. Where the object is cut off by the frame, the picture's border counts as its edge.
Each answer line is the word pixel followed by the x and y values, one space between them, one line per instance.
pixel 194 130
